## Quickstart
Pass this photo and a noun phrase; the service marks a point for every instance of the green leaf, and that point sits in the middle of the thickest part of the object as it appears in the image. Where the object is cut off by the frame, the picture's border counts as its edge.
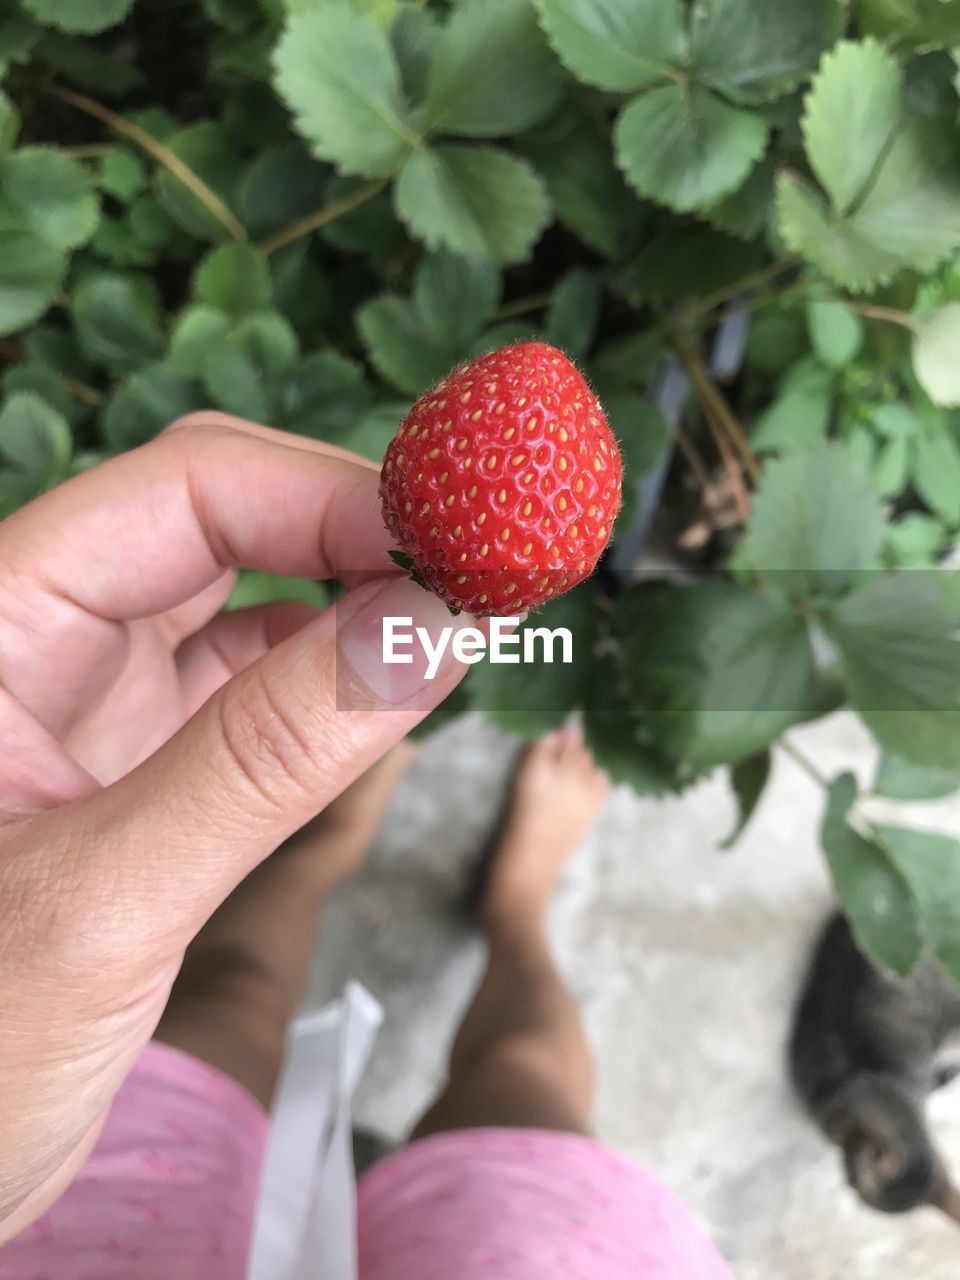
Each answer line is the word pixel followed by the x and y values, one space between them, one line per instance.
pixel 236 16
pixel 531 699
pixel 116 244
pixel 685 261
pixel 414 34
pixel 874 894
pixel 370 437
pixel 235 279
pixel 930 864
pixel 753 51
pixel 891 470
pixel 57 348
pixel 18 34
pixel 455 298
pixel 916 22
pixel 718 672
pixel 80 16
pixel 15 491
pixel 574 312
pixel 748 779
pixel 894 181
pixel 338 74
pixel 837 333
pixel 492 71
pixel 9 123
pixel 116 321
pixel 632 360
pixel 816 522
pixel 936 475
pixel 302 291
pixel 109 74
pixel 197 332
pixel 242 372
pixel 147 403
pixel 122 175
pixel 914 541
pixel 913 207
pixel 506 334
pixel 859 83
pixel 837 248
pixel 31 271
pixel 49 194
pixel 777 340
pixel 254 588
pixel 585 186
pixel 324 396
pixel 474 201
pixel 372 228
pixel 682 146
pixel 616 44
pixel 150 223
pixel 35 439
pixel 45 382
pixel 747 211
pixel 800 414
pixel 895 421
pixel 280 186
pixel 898 779
pixel 644 436
pixel 207 150
pixel 935 348
pixel 399 347
pixel 616 736
pixel 898 645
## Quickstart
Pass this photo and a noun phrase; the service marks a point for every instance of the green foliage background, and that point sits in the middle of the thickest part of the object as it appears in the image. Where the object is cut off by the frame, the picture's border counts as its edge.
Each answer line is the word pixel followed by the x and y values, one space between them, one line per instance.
pixel 307 211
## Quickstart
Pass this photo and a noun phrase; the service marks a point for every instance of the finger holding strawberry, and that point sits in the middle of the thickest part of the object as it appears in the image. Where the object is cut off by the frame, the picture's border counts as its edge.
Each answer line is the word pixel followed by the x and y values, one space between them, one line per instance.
pixel 503 482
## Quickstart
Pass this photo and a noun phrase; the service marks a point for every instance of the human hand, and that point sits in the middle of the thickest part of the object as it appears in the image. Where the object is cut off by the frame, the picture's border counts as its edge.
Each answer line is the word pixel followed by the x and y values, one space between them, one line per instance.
pixel 154 750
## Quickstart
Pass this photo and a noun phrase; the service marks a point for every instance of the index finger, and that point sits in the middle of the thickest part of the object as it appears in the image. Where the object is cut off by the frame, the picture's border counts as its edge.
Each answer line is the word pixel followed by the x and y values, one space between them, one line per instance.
pixel 148 530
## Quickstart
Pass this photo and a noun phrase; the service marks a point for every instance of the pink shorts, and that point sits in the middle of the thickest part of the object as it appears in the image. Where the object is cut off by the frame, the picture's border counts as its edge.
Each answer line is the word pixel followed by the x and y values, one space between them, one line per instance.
pixel 170 1192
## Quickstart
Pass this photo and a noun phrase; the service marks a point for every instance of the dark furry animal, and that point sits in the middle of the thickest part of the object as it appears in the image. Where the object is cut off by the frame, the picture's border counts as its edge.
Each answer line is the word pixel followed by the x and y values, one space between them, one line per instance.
pixel 865 1053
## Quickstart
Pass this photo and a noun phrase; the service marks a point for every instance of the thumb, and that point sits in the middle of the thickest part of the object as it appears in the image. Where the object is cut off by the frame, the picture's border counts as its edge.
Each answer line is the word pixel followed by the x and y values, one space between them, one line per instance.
pixel 153 855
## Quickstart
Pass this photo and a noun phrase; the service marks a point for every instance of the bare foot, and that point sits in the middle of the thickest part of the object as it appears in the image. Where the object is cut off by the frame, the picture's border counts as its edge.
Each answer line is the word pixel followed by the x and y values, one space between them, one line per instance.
pixel 558 792
pixel 338 839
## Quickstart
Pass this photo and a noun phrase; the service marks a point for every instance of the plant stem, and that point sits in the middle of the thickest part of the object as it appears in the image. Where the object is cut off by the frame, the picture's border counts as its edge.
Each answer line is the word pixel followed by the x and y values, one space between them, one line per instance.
pixel 808 766
pixel 734 474
pixel 163 155
pixel 714 404
pixel 520 306
pixel 320 217
pixel 751 281
pixel 89 149
pixel 890 314
pixel 690 452
pixel 80 390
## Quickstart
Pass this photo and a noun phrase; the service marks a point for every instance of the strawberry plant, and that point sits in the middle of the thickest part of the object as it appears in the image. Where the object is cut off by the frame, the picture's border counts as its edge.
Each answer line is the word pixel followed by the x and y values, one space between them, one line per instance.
pixel 740 219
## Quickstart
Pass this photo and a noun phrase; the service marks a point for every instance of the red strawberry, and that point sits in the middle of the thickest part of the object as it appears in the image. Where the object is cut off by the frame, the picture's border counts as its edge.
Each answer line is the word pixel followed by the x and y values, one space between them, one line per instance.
pixel 503 482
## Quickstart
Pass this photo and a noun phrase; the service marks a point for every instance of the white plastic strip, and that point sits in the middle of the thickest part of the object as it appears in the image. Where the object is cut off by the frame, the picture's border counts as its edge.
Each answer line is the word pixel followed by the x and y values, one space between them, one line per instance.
pixel 305 1227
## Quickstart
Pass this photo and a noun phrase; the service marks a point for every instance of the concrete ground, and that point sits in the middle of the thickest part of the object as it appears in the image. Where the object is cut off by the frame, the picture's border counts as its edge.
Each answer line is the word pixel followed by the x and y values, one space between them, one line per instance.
pixel 687 961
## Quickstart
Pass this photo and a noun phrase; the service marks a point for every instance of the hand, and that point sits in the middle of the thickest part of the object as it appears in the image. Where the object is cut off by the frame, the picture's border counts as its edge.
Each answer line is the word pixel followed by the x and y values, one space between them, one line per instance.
pixel 154 750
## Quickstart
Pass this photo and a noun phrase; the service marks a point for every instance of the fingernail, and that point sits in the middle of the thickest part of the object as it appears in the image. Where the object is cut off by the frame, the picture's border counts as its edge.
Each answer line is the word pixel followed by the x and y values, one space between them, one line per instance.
pixel 423 618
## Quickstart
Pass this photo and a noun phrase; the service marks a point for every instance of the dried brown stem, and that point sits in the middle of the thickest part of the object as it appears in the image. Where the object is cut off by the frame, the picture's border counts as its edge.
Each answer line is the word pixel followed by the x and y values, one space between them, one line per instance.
pixel 715 406
pixel 163 155
pixel 320 217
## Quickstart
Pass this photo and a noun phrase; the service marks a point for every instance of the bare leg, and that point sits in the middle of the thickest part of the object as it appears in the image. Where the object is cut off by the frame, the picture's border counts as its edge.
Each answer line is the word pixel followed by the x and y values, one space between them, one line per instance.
pixel 520 1058
pixel 243 976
